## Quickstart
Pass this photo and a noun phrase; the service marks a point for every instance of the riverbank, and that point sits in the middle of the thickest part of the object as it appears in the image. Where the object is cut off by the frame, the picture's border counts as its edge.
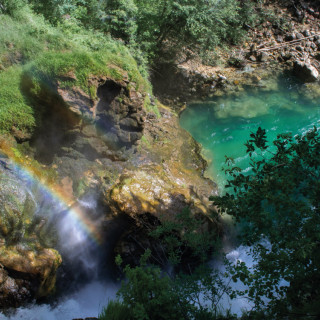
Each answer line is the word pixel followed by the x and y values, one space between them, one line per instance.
pixel 284 42
pixel 96 138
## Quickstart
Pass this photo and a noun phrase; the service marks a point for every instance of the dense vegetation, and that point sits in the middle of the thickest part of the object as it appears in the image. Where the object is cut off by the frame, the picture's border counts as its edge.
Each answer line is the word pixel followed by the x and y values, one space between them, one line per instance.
pixel 278 206
pixel 149 24
pixel 47 39
pixel 32 46
pixel 277 203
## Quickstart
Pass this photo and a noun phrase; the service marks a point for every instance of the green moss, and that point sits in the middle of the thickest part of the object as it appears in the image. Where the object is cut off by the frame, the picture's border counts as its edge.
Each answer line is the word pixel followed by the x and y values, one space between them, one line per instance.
pixel 82 64
pixel 151 107
pixel 30 45
pixel 145 141
pixel 93 92
pixel 25 36
pixel 14 110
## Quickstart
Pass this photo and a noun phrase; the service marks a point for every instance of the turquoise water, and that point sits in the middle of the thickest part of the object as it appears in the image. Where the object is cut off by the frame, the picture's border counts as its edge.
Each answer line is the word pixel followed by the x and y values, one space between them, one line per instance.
pixel 222 125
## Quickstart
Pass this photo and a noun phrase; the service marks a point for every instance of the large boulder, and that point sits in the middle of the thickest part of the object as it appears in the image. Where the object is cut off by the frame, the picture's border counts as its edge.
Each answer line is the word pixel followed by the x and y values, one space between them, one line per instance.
pixel 153 190
pixel 26 273
pixel 305 71
pixel 166 176
pixel 27 266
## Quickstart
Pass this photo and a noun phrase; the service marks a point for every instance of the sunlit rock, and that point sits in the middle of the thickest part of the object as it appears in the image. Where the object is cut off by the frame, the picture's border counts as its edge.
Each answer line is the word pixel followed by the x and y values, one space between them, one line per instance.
pixel 26 273
pixel 27 267
pixel 305 71
pixel 152 190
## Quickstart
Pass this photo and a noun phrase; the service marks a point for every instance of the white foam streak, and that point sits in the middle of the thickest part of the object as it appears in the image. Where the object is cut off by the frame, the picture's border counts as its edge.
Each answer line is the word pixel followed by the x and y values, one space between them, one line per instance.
pixel 87 302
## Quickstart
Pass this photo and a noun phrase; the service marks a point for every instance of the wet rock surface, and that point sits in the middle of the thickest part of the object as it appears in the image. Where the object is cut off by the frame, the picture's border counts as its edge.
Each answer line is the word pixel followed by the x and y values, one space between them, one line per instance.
pixel 27 267
pixel 135 163
pixel 306 71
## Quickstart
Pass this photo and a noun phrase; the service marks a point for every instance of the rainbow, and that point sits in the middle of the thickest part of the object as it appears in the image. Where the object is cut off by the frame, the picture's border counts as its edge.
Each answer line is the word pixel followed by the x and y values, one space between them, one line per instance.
pixel 53 190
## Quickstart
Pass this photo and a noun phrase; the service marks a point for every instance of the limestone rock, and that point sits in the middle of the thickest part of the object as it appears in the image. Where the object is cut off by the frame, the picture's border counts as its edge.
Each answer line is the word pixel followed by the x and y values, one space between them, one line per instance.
pixel 168 178
pixel 150 190
pixel 305 71
pixel 26 273
pixel 27 269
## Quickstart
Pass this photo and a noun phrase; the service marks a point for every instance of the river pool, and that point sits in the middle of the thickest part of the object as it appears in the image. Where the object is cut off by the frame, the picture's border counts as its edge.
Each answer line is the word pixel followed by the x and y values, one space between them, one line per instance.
pixel 223 124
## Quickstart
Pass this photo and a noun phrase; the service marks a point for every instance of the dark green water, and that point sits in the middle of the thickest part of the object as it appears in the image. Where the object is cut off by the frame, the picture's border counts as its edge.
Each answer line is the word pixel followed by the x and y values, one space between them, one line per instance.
pixel 223 125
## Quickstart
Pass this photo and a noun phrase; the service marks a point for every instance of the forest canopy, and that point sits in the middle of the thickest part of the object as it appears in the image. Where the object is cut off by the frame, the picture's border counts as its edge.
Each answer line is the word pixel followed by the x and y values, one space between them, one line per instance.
pixel 150 26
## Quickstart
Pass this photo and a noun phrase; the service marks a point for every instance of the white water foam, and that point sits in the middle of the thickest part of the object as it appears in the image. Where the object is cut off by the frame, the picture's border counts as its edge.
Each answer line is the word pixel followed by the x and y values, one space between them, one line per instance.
pixel 87 302
pixel 240 304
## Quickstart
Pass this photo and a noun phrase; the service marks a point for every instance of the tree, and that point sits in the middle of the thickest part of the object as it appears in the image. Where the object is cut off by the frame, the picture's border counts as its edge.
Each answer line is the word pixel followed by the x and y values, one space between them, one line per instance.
pixel 278 205
pixel 149 293
pixel 121 19
pixel 184 240
pixel 146 294
pixel 157 24
pixel 87 12
pixel 10 6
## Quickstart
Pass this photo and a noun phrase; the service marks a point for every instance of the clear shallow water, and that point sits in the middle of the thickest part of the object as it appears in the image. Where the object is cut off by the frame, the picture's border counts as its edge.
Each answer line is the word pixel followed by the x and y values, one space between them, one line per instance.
pixel 224 124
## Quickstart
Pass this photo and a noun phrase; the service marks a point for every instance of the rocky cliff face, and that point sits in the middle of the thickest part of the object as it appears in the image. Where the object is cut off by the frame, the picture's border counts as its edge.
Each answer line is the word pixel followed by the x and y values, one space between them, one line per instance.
pixel 27 267
pixel 154 161
pixel 106 144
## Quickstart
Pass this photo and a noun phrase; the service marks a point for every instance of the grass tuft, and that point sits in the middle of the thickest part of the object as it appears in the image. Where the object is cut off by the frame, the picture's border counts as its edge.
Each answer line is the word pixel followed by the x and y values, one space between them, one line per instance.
pixel 47 54
pixel 14 110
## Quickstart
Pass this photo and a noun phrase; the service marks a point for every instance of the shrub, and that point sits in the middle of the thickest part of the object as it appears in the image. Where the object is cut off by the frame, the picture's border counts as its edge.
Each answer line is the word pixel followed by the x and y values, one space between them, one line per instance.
pixel 11 6
pixel 115 310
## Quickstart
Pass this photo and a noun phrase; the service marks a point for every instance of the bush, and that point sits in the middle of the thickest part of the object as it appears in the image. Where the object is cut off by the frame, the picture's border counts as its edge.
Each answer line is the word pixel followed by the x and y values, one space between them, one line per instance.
pixel 11 6
pixel 278 206
pixel 115 310
pixel 153 25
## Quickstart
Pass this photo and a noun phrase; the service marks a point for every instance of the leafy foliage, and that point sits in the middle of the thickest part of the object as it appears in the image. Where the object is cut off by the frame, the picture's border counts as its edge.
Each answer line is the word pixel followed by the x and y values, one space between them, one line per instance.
pixel 278 205
pixel 87 12
pixel 183 238
pixel 11 6
pixel 149 294
pixel 121 19
pixel 201 25
pixel 115 310
pixel 149 26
